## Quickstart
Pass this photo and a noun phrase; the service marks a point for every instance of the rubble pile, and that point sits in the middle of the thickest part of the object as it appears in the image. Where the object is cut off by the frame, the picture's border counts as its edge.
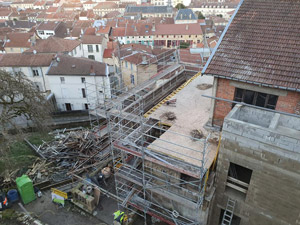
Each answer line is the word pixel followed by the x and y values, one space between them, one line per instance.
pixel 74 151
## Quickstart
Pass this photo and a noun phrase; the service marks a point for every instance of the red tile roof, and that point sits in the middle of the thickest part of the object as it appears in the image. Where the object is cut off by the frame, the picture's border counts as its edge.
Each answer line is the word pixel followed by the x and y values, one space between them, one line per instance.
pixel 178 29
pixel 104 30
pixel 261 45
pixel 54 45
pixel 67 65
pixel 18 40
pixel 19 60
pixel 187 57
pixel 108 53
pixel 106 5
pixel 91 39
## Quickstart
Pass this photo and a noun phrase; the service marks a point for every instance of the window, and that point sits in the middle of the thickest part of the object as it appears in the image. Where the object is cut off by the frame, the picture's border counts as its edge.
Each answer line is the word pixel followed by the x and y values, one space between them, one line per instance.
pixel 75 51
pixel 97 48
pixel 255 98
pixel 41 32
pixel 131 66
pixel 86 106
pixel 126 64
pixel 35 72
pixel 132 79
pixel 238 179
pixel 62 80
pixel 37 85
pixel 82 79
pixel 83 93
pixel 91 57
pixel 68 106
pixel 90 48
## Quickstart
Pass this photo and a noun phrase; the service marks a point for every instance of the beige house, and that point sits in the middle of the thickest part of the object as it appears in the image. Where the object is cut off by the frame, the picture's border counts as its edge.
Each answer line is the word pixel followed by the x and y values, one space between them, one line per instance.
pixel 103 8
pixel 139 63
pixel 23 4
pixel 137 68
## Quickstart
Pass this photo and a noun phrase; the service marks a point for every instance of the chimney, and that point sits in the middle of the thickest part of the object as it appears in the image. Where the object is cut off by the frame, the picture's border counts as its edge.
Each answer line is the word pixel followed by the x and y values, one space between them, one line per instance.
pixel 68 30
pixel 187 27
pixel 135 28
pixel 144 60
pixel 82 31
pixel 5 23
pixel 92 71
pixel 14 23
pixel 153 27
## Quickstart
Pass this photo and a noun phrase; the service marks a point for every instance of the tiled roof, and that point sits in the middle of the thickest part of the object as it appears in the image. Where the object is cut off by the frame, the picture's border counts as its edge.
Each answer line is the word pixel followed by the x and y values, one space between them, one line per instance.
pixel 149 9
pixel 67 65
pixel 187 57
pixel 108 53
pixel 261 45
pixel 91 39
pixel 48 25
pixel 104 30
pixel 18 40
pixel 54 45
pixel 178 29
pixel 139 58
pixel 185 14
pixel 19 60
pixel 106 5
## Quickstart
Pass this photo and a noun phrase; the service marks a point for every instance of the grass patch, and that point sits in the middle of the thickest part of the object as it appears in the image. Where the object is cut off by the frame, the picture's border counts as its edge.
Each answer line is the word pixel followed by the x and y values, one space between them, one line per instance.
pixel 17 154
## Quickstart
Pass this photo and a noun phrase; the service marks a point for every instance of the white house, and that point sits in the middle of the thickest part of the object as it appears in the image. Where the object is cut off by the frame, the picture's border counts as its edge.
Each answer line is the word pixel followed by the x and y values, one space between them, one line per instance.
pixel 51 28
pixel 89 5
pixel 34 67
pixel 75 80
pixel 93 47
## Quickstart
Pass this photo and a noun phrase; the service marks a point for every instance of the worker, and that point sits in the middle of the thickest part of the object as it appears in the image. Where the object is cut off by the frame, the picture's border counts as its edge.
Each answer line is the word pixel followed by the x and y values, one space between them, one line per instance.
pixel 119 217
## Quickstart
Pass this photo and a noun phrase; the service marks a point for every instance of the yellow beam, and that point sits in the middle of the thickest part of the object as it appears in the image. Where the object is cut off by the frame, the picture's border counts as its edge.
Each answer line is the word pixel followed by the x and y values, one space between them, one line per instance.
pixel 171 95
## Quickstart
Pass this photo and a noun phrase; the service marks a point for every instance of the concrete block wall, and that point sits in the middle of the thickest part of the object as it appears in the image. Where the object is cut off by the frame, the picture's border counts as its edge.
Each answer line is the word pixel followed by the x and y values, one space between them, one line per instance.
pixel 273 196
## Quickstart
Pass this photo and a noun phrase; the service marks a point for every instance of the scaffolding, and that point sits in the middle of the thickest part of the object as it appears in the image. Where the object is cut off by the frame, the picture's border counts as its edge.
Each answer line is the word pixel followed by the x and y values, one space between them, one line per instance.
pixel 151 177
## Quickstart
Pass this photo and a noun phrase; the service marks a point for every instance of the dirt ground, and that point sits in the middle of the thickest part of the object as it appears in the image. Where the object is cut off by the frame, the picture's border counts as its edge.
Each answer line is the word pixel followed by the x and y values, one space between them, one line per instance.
pixel 51 214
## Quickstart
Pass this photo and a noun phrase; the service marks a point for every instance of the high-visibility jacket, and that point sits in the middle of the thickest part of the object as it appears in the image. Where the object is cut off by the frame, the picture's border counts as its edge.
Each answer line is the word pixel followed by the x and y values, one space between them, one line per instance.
pixel 119 216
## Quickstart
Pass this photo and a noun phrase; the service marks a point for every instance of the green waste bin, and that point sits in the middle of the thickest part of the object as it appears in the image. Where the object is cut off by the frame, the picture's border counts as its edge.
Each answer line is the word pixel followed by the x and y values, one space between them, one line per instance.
pixel 25 188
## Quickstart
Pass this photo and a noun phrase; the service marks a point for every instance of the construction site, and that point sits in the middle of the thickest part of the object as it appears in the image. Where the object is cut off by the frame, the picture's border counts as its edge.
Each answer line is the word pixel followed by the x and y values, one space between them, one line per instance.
pixel 163 161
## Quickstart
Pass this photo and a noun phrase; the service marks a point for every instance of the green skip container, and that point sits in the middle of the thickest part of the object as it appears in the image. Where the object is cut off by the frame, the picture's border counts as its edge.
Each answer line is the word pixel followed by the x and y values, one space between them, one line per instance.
pixel 25 188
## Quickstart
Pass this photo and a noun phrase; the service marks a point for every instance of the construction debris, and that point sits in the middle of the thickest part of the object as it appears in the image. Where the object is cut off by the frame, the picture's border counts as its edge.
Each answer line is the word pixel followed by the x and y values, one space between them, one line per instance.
pixel 204 86
pixel 196 134
pixel 171 102
pixel 77 151
pixel 169 115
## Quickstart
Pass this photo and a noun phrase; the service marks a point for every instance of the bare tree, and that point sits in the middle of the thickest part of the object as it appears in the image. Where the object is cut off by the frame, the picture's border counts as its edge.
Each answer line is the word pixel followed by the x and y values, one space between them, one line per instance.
pixel 19 98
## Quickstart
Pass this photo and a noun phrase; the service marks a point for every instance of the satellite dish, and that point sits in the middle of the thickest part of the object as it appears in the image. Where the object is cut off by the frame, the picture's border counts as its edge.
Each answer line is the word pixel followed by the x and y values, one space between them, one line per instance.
pixel 34 52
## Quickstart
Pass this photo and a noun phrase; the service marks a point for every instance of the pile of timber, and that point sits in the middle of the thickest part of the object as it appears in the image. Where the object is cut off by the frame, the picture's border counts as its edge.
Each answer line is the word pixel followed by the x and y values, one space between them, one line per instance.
pixel 73 152
pixel 76 150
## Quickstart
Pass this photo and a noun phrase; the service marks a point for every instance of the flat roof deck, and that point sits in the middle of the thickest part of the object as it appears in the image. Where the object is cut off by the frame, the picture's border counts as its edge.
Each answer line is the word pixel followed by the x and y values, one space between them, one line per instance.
pixel 192 112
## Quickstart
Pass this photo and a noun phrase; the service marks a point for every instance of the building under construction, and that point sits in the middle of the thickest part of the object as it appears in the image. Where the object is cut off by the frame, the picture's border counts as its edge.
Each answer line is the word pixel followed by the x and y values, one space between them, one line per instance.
pixel 163 162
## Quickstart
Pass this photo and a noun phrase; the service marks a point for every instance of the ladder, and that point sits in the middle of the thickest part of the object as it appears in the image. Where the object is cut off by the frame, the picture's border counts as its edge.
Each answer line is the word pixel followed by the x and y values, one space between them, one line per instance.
pixel 228 214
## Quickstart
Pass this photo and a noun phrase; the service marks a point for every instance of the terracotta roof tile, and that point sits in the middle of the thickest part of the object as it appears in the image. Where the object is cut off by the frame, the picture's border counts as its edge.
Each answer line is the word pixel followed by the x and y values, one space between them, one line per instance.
pixel 261 45
pixel 54 45
pixel 18 60
pixel 67 65
pixel 21 40
pixel 91 39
